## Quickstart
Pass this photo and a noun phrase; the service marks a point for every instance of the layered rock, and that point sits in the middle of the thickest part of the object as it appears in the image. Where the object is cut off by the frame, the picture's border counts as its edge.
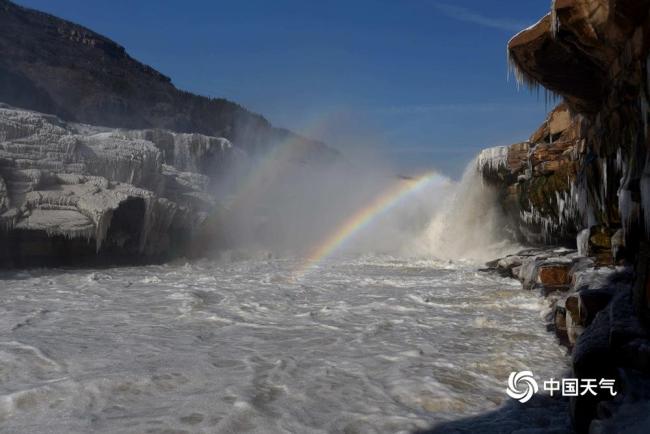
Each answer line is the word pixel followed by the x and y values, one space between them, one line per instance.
pixel 607 98
pixel 538 183
pixel 74 193
pixel 588 164
pixel 590 309
pixel 584 179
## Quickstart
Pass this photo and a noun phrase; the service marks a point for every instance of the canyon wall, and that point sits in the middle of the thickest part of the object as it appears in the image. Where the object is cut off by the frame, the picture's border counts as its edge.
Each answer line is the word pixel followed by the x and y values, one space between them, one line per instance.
pixel 74 194
pixel 124 167
pixel 583 180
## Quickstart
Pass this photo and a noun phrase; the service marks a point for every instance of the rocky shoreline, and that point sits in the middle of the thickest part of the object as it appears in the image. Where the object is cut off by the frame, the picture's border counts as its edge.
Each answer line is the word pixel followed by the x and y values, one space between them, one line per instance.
pixel 591 311
pixel 582 181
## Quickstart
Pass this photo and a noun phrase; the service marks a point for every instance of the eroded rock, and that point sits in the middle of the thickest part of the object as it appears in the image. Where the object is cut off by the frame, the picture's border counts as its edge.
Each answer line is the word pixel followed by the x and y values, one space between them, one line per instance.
pixel 72 192
pixel 583 179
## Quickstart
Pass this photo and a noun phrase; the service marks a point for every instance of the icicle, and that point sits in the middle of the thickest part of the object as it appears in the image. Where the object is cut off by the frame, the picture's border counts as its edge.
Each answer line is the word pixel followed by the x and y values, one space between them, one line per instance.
pixel 555 20
pixel 9 219
pixel 492 159
pixel 521 77
pixel 643 102
pixel 628 209
pixel 102 224
pixel 560 206
pixel 582 240
pixel 645 201
pixel 534 218
pixel 647 71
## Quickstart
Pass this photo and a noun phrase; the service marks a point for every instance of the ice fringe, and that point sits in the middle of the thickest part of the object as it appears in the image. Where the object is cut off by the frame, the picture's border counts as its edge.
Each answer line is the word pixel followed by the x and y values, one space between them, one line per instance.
pixel 186 152
pixel 567 209
pixel 522 77
pixel 492 159
pixel 68 180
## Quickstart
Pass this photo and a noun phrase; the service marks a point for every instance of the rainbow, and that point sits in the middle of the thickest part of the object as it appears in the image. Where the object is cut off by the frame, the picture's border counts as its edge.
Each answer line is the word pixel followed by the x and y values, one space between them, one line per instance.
pixel 362 218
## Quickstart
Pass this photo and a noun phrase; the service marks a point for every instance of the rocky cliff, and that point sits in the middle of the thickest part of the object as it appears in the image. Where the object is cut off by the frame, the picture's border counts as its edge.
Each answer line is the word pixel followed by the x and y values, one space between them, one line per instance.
pixel 583 179
pixel 74 193
pixel 124 166
pixel 54 66
pixel 537 181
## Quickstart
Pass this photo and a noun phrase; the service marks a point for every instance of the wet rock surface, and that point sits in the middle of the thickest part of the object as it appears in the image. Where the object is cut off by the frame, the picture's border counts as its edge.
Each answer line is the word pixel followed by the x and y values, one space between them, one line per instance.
pixel 593 314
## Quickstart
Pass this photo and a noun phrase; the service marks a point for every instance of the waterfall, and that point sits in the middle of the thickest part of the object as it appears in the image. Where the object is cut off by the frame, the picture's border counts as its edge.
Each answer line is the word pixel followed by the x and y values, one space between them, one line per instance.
pixel 470 224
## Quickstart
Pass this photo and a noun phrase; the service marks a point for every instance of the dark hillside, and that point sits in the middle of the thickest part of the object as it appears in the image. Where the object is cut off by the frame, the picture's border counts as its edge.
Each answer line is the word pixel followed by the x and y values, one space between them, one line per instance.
pixel 54 66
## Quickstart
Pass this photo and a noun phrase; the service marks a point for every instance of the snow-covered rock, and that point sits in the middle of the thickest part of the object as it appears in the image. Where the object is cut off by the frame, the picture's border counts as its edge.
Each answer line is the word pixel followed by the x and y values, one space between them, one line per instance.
pixel 69 190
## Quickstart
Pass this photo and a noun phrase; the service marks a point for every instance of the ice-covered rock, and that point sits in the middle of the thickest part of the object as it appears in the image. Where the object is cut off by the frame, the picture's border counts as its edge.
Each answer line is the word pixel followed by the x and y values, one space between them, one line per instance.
pixel 71 189
pixel 585 182
pixel 492 159
pixel 55 66
pixel 195 153
pixel 538 182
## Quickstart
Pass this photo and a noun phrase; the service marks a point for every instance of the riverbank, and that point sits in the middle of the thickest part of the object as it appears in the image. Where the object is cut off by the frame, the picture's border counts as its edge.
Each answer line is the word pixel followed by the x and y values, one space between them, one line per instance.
pixel 582 180
pixel 590 310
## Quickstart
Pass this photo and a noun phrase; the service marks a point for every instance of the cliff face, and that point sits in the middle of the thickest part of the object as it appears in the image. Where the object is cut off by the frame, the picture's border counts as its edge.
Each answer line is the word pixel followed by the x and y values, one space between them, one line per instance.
pixel 54 66
pixel 537 181
pixel 584 178
pixel 586 172
pixel 589 160
pixel 73 193
pixel 138 188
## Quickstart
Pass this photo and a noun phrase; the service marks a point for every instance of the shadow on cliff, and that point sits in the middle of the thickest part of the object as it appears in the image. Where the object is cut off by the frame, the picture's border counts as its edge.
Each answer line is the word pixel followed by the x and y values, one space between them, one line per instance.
pixel 542 414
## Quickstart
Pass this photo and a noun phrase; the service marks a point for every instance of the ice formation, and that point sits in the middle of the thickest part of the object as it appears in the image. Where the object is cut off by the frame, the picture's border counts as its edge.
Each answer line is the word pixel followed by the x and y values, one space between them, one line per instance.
pixel 71 180
pixel 185 152
pixel 582 240
pixel 492 159
pixel 523 78
pixel 555 21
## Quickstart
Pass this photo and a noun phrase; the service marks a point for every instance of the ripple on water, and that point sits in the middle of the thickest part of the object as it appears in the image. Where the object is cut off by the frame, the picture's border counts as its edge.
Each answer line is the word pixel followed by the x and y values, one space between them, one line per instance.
pixel 368 345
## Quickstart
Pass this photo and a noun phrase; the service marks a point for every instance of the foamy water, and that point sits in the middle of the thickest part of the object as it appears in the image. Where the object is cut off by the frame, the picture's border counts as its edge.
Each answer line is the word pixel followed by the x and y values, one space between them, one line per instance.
pixel 372 344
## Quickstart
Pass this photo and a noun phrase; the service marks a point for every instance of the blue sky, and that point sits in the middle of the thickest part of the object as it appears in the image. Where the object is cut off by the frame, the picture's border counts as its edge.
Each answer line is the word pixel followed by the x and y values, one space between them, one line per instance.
pixel 422 82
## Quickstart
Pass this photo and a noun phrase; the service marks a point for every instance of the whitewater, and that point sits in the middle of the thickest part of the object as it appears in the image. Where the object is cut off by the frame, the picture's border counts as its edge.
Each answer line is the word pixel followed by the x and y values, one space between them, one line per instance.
pixel 261 341
pixel 360 345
